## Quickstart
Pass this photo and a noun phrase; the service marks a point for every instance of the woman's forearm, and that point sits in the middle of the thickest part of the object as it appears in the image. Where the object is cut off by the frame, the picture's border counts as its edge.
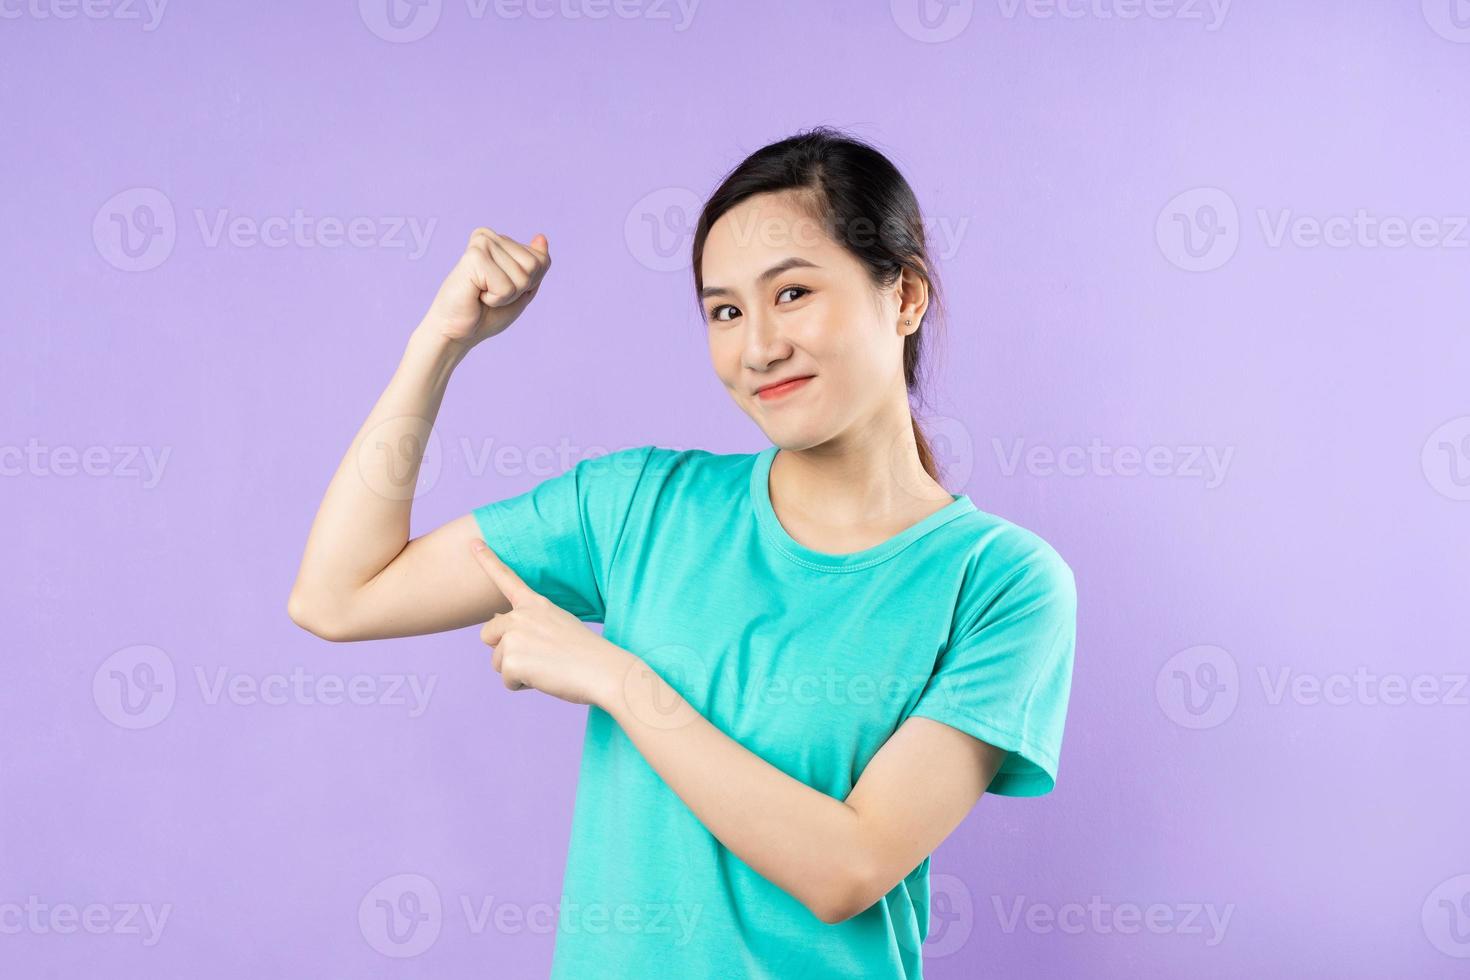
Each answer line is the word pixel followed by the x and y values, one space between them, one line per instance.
pixel 363 520
pixel 802 840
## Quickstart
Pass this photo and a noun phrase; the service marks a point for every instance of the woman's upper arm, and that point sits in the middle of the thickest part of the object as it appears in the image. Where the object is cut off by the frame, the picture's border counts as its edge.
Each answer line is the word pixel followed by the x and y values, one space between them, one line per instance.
pixel 434 584
pixel 912 795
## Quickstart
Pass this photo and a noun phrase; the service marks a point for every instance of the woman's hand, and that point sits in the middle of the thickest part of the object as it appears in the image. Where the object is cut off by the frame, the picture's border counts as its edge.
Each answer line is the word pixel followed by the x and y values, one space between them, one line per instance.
pixel 491 284
pixel 540 645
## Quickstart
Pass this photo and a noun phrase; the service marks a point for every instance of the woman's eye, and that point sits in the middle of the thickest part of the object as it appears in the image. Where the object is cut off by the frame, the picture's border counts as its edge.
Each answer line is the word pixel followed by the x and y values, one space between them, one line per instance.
pixel 714 314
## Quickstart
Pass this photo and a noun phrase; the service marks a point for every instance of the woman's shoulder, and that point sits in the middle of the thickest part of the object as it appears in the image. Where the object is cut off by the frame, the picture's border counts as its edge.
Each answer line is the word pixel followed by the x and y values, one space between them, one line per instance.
pixel 998 548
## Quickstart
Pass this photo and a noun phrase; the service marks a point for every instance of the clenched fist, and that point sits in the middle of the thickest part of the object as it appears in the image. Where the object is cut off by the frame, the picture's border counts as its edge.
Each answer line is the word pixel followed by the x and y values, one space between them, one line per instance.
pixel 491 284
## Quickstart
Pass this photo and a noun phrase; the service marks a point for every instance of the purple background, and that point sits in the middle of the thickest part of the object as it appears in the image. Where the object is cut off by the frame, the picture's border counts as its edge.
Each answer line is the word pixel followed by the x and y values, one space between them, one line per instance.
pixel 1333 376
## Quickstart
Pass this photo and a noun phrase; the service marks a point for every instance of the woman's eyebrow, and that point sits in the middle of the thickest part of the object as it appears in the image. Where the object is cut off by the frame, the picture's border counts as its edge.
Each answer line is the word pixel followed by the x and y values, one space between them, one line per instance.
pixel 794 262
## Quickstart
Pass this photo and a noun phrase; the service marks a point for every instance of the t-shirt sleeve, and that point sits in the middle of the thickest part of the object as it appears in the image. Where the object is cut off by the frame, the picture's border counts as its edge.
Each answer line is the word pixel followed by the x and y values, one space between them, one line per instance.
pixel 1007 679
pixel 561 536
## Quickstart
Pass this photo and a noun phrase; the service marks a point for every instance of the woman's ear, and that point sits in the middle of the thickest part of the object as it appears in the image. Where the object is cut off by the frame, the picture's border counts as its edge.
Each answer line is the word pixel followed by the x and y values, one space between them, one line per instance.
pixel 913 301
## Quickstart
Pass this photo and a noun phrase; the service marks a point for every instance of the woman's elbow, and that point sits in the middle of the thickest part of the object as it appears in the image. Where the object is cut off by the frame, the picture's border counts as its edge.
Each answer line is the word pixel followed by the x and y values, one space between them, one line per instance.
pixel 850 894
pixel 316 617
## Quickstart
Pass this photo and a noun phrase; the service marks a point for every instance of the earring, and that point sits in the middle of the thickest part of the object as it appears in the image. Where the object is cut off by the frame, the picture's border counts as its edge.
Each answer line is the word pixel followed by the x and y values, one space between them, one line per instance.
pixel 908 321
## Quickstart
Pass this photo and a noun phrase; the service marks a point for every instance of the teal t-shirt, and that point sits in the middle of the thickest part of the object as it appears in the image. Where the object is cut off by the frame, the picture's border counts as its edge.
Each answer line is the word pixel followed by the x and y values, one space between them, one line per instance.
pixel 809 660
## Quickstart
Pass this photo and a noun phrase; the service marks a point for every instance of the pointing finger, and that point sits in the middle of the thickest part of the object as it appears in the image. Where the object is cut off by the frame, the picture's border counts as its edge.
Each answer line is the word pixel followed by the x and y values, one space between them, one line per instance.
pixel 509 583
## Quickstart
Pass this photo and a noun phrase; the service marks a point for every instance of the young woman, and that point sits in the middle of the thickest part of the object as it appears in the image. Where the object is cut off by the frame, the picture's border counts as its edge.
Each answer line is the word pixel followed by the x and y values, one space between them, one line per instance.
pixel 815 659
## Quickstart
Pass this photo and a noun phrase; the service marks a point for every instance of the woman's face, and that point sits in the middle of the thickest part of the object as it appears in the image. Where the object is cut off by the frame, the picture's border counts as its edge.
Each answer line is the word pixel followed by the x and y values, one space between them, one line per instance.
pixel 782 300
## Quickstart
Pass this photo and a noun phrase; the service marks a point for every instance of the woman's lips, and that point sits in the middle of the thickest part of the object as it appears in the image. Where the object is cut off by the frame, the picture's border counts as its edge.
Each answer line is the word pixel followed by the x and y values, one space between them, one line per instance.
pixel 781 390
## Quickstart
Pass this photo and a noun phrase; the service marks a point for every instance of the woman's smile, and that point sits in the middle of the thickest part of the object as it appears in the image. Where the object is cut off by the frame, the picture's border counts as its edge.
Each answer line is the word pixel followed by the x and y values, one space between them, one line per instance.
pixel 776 392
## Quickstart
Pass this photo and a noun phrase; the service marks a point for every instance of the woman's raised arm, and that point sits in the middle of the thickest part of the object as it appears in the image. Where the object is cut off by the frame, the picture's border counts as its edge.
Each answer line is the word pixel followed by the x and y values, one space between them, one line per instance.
pixel 360 576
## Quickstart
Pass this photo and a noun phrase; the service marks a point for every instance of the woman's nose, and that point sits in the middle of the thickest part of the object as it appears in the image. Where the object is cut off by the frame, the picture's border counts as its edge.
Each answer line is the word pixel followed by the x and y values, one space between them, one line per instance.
pixel 763 342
